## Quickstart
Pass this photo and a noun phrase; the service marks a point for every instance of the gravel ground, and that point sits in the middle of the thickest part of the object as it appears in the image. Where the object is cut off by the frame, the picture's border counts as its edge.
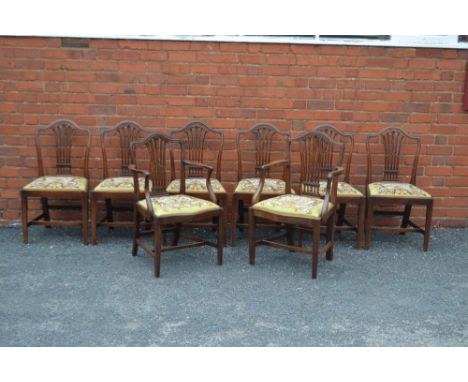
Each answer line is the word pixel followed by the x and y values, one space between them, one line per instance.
pixel 57 292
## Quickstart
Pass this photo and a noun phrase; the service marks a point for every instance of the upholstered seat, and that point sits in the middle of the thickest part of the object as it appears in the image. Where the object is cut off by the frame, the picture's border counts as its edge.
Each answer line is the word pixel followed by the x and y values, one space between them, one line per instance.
pixel 301 206
pixel 120 184
pixel 271 186
pixel 395 189
pixel 179 205
pixel 195 185
pixel 54 183
pixel 344 189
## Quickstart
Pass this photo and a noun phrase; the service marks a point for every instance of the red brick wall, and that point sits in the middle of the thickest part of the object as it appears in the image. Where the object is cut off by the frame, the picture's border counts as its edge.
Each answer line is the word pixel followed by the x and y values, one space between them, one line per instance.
pixel 164 85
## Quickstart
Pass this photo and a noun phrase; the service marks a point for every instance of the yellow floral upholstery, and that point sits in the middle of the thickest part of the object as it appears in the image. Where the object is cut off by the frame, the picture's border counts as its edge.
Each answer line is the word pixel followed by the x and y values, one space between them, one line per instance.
pixel 271 186
pixel 58 183
pixel 120 184
pixel 344 189
pixel 291 205
pixel 179 205
pixel 395 189
pixel 195 185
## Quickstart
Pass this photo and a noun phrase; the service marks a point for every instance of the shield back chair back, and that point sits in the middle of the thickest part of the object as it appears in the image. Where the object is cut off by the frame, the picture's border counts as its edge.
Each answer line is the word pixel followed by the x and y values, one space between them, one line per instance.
pixel 167 212
pixel 117 183
pixel 306 210
pixel 65 146
pixel 202 144
pixel 255 148
pixel 392 146
pixel 346 193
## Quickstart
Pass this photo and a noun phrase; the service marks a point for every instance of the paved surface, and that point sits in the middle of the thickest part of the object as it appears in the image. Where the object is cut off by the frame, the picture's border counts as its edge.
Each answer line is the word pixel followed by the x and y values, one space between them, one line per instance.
pixel 56 292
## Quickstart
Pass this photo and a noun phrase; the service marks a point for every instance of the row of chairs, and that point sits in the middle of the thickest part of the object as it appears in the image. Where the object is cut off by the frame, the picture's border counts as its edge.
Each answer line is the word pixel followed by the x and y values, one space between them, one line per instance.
pixel 195 197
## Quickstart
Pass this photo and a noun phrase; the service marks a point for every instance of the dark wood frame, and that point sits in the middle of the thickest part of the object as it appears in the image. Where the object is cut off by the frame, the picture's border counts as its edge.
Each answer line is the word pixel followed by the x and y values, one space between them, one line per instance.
pixel 310 177
pixel 128 131
pixel 393 138
pixel 194 136
pixel 342 223
pixel 264 134
pixel 156 144
pixel 63 130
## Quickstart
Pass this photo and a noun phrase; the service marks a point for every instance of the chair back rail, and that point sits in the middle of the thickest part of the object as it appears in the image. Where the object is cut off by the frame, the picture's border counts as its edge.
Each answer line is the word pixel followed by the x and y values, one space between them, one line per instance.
pixel 64 133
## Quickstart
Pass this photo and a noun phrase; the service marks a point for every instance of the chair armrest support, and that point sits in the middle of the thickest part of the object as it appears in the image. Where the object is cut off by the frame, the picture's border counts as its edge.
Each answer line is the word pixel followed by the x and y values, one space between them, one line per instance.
pixel 332 185
pixel 283 162
pixel 136 187
pixel 209 171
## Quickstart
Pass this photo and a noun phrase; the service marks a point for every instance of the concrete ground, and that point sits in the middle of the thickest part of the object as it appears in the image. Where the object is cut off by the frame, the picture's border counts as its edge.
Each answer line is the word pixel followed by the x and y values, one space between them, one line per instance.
pixel 57 292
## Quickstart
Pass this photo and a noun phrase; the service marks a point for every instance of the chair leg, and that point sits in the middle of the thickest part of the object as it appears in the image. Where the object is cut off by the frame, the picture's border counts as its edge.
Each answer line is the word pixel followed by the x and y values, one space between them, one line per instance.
pixel 45 210
pixel 370 215
pixel 241 214
pixel 157 248
pixel 136 231
pixel 175 239
pixel 24 216
pixel 224 218
pixel 427 230
pixel 406 217
pixel 290 235
pixel 221 240
pixel 251 237
pixel 341 214
pixel 109 213
pixel 330 236
pixel 360 222
pixel 84 217
pixel 234 216
pixel 93 219
pixel 315 248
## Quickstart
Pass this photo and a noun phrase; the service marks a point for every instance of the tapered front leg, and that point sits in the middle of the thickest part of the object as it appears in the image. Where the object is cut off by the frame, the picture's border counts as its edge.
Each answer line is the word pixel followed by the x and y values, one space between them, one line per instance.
pixel 234 217
pixel 157 248
pixel 220 241
pixel 93 219
pixel 370 215
pixel 315 248
pixel 24 216
pixel 136 230
pixel 251 236
pixel 427 230
pixel 84 217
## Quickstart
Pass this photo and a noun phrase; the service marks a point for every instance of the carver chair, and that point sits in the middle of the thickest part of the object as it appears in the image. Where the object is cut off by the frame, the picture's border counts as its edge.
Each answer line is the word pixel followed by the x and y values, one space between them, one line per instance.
pixel 201 144
pixel 117 183
pixel 306 210
pixel 65 146
pixel 391 190
pixel 168 212
pixel 346 193
pixel 255 148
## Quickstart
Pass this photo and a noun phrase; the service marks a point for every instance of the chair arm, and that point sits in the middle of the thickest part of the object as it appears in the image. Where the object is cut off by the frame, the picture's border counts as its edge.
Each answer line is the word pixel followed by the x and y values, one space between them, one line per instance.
pixel 209 171
pixel 282 162
pixel 332 184
pixel 136 187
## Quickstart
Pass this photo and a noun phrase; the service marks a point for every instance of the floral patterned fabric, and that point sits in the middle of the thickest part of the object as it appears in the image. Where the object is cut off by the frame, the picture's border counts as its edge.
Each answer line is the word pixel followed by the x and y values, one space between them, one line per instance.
pixel 271 186
pixel 58 183
pixel 343 189
pixel 394 189
pixel 302 206
pixel 195 185
pixel 176 205
pixel 120 184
